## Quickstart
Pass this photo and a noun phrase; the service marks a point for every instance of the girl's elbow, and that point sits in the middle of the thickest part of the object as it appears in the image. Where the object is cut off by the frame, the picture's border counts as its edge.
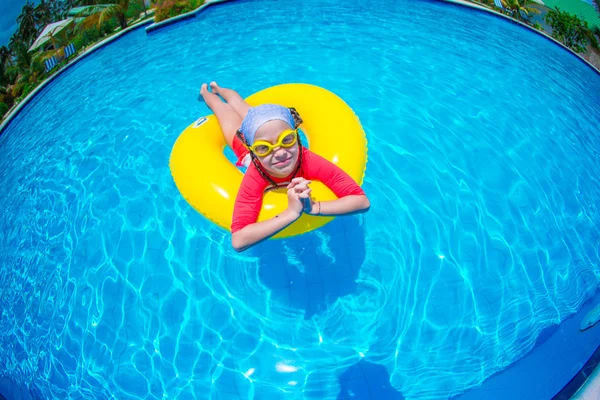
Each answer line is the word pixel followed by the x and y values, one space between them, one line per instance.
pixel 237 242
pixel 366 204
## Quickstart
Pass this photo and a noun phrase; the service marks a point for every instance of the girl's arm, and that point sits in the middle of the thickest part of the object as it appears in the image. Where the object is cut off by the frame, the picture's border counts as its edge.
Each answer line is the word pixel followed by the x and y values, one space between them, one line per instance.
pixel 351 197
pixel 254 233
pixel 346 205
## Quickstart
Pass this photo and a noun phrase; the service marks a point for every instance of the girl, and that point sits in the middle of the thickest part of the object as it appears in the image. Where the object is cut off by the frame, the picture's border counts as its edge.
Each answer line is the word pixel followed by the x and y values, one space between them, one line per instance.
pixel 265 139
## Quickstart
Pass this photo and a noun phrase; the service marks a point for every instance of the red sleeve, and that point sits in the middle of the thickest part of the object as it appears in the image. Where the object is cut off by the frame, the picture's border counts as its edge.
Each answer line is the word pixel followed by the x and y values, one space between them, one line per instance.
pixel 248 201
pixel 332 176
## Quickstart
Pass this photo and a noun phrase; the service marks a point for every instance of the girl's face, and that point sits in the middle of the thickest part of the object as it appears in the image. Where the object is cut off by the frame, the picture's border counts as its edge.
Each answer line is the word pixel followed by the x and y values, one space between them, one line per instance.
pixel 282 161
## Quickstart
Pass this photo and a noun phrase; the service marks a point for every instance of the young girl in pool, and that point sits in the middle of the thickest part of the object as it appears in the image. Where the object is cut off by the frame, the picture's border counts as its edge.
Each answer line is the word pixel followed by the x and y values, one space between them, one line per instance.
pixel 265 139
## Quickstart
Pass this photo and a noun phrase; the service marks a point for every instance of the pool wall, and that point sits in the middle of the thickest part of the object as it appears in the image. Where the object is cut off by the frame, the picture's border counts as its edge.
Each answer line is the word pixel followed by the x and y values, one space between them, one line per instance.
pixel 560 354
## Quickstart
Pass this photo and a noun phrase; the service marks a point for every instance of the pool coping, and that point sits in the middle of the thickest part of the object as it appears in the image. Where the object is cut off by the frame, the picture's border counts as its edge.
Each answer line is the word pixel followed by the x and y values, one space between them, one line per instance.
pixel 469 4
pixel 13 113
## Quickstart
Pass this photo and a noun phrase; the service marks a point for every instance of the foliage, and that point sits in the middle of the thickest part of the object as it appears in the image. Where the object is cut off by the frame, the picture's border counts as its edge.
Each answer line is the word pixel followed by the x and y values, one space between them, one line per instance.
pixel 569 29
pixel 43 14
pixel 3 109
pixel 31 73
pixel 21 55
pixel 59 8
pixel 538 26
pixel 136 7
pixel 521 9
pixel 4 59
pixel 28 23
pixel 90 35
pixel 103 13
pixel 27 88
pixel 6 97
pixel 165 9
pixel 591 35
pixel 78 42
pixel 21 71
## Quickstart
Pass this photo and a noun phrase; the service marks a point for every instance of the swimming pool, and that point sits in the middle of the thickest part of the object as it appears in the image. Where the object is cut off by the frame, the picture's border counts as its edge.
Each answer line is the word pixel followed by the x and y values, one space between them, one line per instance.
pixel 482 232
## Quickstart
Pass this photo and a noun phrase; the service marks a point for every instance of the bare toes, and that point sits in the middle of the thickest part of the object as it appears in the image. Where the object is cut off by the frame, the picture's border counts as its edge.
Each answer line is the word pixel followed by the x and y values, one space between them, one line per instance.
pixel 203 89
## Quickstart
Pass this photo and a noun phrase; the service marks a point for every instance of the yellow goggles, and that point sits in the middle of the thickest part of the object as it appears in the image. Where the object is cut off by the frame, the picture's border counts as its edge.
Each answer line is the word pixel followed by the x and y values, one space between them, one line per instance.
pixel 262 148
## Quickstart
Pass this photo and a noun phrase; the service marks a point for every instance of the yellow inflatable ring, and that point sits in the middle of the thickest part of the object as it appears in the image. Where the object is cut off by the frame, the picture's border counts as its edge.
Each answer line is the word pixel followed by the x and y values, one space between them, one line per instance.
pixel 209 182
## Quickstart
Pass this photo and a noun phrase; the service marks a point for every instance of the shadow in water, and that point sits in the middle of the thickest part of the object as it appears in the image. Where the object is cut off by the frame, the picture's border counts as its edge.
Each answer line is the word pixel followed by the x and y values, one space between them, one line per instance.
pixel 9 390
pixel 312 271
pixel 365 380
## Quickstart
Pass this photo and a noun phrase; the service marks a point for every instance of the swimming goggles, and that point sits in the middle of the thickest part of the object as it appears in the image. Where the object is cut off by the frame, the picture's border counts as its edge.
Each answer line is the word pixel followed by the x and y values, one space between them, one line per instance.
pixel 287 138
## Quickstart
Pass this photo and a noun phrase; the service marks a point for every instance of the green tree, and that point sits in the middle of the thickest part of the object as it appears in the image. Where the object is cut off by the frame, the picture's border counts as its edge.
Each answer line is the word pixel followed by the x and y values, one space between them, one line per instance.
pixel 4 60
pixel 570 30
pixel 14 41
pixel 3 109
pixel 60 8
pixel 43 14
pixel 32 73
pixel 22 57
pixel 28 23
pixel 104 12
pixel 521 9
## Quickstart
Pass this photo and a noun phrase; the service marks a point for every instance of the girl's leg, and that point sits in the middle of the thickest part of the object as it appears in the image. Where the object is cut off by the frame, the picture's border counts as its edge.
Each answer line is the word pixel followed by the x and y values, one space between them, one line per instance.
pixel 232 98
pixel 229 120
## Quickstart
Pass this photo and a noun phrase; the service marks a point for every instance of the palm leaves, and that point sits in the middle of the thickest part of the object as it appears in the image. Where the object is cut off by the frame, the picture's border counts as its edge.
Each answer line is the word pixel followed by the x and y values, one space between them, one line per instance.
pixel 521 9
pixel 4 56
pixel 43 14
pixel 22 55
pixel 34 18
pixel 104 12
pixel 28 24
pixel 4 60
pixel 32 73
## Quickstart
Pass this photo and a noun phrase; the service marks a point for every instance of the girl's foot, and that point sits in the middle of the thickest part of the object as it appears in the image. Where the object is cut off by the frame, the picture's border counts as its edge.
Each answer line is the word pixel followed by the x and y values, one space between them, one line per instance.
pixel 204 90
pixel 214 87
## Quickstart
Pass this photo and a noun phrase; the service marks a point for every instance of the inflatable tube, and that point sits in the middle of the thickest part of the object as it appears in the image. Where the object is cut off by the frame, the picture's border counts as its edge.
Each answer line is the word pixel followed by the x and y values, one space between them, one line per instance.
pixel 209 182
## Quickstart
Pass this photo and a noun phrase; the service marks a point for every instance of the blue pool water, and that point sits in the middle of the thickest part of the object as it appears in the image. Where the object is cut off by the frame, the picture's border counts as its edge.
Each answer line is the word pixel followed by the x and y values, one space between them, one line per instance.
pixel 483 231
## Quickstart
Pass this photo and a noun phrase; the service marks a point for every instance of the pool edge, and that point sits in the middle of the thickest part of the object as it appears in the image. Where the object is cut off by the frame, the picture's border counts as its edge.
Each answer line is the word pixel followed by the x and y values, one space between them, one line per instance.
pixel 558 361
pixel 474 6
pixel 208 3
pixel 15 111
